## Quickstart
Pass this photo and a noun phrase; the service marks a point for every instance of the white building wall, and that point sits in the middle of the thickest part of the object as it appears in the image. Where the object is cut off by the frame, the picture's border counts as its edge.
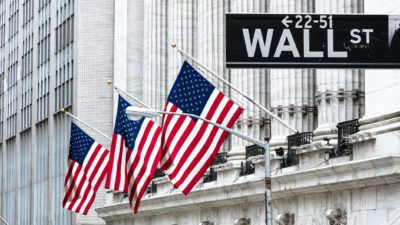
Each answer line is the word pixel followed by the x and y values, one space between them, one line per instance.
pixel 58 55
pixel 364 185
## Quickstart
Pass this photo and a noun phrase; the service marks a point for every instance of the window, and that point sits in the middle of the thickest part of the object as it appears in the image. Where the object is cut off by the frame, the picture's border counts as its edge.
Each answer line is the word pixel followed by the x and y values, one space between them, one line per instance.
pixel 64 53
pixel 2 62
pixel 43 60
pixel 12 69
pixel 27 67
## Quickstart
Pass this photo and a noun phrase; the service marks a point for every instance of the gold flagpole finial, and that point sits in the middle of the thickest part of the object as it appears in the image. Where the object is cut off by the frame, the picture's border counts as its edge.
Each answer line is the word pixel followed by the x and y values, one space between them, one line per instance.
pixel 109 81
pixel 62 110
pixel 173 45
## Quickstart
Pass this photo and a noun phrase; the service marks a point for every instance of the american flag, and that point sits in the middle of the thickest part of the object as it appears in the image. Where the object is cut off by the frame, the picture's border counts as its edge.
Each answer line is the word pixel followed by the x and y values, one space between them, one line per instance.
pixel 87 166
pixel 189 144
pixel 135 155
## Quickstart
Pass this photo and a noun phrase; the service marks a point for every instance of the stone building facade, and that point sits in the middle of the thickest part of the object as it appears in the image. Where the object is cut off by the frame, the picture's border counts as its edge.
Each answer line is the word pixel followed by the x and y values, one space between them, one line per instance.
pixel 346 172
pixel 53 55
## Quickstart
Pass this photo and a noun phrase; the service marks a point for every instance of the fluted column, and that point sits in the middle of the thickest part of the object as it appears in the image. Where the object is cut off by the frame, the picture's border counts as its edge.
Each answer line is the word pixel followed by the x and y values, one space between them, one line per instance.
pixel 292 90
pixel 155 53
pixel 340 93
pixel 182 30
pixel 210 42
pixel 253 82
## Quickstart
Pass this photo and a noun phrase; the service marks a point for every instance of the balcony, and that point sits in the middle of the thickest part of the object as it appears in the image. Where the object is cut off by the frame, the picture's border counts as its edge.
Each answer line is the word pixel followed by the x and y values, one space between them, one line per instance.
pixel 345 129
pixel 254 150
pixel 221 158
pixel 246 168
pixel 151 189
pixel 293 141
pixel 158 174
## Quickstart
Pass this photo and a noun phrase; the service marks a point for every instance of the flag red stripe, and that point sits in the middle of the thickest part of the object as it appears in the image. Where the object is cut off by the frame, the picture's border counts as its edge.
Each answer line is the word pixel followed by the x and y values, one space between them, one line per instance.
pixel 139 149
pixel 73 177
pixel 91 161
pixel 210 136
pixel 197 138
pixel 174 130
pixel 178 145
pixel 119 153
pixel 97 168
pixel 69 172
pixel 144 166
pixel 69 194
pixel 201 172
pixel 146 183
pixel 111 165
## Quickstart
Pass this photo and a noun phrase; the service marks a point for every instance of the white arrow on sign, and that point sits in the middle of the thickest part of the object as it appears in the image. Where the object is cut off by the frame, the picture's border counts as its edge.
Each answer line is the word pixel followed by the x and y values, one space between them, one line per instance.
pixel 286 21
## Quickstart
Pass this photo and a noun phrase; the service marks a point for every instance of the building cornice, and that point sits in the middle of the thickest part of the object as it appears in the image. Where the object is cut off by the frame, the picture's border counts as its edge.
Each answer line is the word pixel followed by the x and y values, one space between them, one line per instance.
pixel 354 174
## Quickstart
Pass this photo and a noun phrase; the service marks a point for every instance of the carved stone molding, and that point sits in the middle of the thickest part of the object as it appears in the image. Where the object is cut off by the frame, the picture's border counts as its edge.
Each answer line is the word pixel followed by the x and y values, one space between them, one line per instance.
pixel 242 221
pixel 285 219
pixel 206 223
pixel 336 216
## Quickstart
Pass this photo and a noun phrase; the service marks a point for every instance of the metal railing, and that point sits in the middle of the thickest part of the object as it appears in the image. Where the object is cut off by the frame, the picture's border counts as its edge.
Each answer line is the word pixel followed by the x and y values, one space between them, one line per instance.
pixel 296 140
pixel 211 176
pixel 246 168
pixel 152 188
pixel 254 150
pixel 221 158
pixel 345 129
pixel 159 173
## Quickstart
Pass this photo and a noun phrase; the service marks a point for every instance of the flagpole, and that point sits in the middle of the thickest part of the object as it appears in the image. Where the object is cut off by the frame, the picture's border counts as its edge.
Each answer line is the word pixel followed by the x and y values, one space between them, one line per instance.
pixel 185 54
pixel 119 90
pixel 84 123
pixel 1 218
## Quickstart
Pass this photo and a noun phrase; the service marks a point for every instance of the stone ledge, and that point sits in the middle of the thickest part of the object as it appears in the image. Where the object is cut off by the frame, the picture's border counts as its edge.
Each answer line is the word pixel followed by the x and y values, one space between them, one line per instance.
pixel 348 175
pixel 315 146
pixel 218 195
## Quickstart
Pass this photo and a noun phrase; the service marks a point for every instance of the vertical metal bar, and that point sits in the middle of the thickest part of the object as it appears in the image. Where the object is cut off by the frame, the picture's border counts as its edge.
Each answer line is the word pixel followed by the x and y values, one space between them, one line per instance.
pixel 185 54
pixel 268 196
pixel 86 124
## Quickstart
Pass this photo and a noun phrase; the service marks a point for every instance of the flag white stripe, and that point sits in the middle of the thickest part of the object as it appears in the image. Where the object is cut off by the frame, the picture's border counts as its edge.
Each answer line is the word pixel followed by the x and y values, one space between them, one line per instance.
pixel 167 109
pixel 143 154
pixel 176 138
pixel 148 168
pixel 122 167
pixel 102 166
pixel 210 150
pixel 135 152
pixel 171 126
pixel 115 162
pixel 95 160
pixel 170 150
pixel 193 133
pixel 202 141
pixel 69 182
pixel 87 199
pixel 84 187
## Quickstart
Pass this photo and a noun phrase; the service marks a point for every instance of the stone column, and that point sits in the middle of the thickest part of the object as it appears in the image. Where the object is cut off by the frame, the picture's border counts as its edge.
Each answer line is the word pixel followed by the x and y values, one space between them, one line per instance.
pixel 292 90
pixel 340 93
pixel 380 127
pixel 155 53
pixel 182 30
pixel 210 43
pixel 253 82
